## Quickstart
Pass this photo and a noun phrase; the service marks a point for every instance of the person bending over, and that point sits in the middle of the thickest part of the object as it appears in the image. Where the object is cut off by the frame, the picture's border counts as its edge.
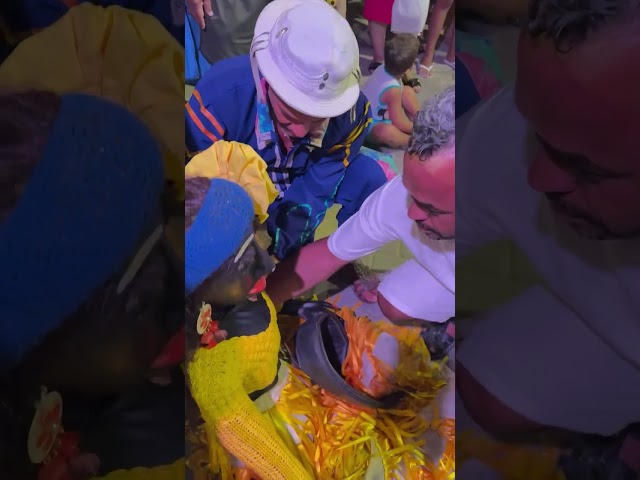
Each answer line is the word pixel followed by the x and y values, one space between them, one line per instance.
pixel 563 185
pixel 418 209
pixel 296 101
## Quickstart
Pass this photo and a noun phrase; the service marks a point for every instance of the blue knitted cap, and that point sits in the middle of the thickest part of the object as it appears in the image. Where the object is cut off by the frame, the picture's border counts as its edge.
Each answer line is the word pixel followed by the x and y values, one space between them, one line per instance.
pixel 220 228
pixel 87 205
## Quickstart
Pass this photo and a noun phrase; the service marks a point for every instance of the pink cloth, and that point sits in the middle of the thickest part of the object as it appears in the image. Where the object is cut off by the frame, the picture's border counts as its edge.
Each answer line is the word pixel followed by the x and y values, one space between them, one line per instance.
pixel 378 11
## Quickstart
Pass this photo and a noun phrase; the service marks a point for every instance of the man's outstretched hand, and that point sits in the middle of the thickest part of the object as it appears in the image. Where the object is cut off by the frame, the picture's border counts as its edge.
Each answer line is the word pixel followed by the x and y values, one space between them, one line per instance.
pixel 198 9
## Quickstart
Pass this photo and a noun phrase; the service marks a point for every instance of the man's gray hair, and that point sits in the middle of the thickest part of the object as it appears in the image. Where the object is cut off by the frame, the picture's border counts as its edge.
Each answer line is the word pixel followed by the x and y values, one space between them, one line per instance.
pixel 434 126
pixel 570 23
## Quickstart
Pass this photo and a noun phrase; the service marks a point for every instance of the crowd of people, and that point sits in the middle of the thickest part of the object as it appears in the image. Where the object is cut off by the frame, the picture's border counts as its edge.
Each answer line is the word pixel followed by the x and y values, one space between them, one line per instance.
pixel 139 269
pixel 294 110
pixel 506 390
pixel 101 171
pixel 92 383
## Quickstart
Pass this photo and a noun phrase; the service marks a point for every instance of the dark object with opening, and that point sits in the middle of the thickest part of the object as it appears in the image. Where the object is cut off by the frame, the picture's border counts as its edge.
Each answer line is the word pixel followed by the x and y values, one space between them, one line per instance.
pixel 321 346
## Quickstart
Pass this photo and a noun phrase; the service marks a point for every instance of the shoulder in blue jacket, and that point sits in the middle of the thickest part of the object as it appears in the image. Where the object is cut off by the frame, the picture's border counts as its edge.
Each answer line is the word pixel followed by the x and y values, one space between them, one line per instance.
pixel 224 106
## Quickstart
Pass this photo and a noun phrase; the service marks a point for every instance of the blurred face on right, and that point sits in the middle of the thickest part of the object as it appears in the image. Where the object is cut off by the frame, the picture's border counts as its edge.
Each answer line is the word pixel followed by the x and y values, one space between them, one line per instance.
pixel 584 110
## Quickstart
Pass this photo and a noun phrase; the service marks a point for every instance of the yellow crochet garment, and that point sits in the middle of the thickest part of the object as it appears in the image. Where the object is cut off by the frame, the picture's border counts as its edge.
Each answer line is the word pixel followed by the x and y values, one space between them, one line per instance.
pixel 221 379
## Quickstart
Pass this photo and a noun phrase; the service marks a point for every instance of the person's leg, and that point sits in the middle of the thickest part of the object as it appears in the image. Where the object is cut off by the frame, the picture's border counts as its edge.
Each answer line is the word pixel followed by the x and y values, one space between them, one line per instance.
pixel 378 15
pixel 230 34
pixel 388 135
pixel 393 314
pixel 378 35
pixel 450 37
pixel 436 21
pixel 495 417
pixel 363 176
pixel 410 295
pixel 410 102
pixel 527 370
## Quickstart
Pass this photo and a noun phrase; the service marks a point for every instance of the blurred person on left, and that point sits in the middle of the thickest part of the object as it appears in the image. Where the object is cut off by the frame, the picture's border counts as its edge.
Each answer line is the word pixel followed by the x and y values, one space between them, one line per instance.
pixel 25 18
pixel 102 312
pixel 103 278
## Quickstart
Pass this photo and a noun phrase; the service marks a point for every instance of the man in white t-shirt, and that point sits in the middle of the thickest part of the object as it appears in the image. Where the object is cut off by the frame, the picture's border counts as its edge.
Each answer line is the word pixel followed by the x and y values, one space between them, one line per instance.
pixel 553 165
pixel 418 209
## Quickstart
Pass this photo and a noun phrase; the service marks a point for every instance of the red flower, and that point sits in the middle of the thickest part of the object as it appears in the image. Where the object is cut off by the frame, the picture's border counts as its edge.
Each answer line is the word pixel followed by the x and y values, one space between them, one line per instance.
pixel 208 337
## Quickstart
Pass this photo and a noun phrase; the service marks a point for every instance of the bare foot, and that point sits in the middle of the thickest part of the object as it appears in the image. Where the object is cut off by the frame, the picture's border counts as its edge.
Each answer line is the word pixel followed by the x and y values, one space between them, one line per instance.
pixel 424 71
pixel 364 293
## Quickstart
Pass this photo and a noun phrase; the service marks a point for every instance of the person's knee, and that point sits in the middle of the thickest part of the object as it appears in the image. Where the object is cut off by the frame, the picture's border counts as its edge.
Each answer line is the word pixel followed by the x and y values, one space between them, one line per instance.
pixel 362 177
pixel 363 173
pixel 390 312
pixel 486 410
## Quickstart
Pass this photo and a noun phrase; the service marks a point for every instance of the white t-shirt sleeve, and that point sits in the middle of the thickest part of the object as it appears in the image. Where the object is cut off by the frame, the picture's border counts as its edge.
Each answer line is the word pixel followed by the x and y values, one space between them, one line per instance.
pixel 369 229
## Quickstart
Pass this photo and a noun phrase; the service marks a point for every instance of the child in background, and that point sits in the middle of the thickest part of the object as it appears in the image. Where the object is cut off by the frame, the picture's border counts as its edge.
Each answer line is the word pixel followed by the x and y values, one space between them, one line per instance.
pixel 393 105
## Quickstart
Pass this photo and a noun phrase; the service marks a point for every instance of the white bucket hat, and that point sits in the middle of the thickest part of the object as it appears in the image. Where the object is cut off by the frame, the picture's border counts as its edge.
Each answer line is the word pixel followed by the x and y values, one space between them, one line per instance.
pixel 309 55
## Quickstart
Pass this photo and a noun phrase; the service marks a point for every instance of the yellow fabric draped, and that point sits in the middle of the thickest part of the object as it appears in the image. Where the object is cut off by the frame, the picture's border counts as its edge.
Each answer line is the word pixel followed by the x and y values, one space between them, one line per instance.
pixel 238 163
pixel 115 53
